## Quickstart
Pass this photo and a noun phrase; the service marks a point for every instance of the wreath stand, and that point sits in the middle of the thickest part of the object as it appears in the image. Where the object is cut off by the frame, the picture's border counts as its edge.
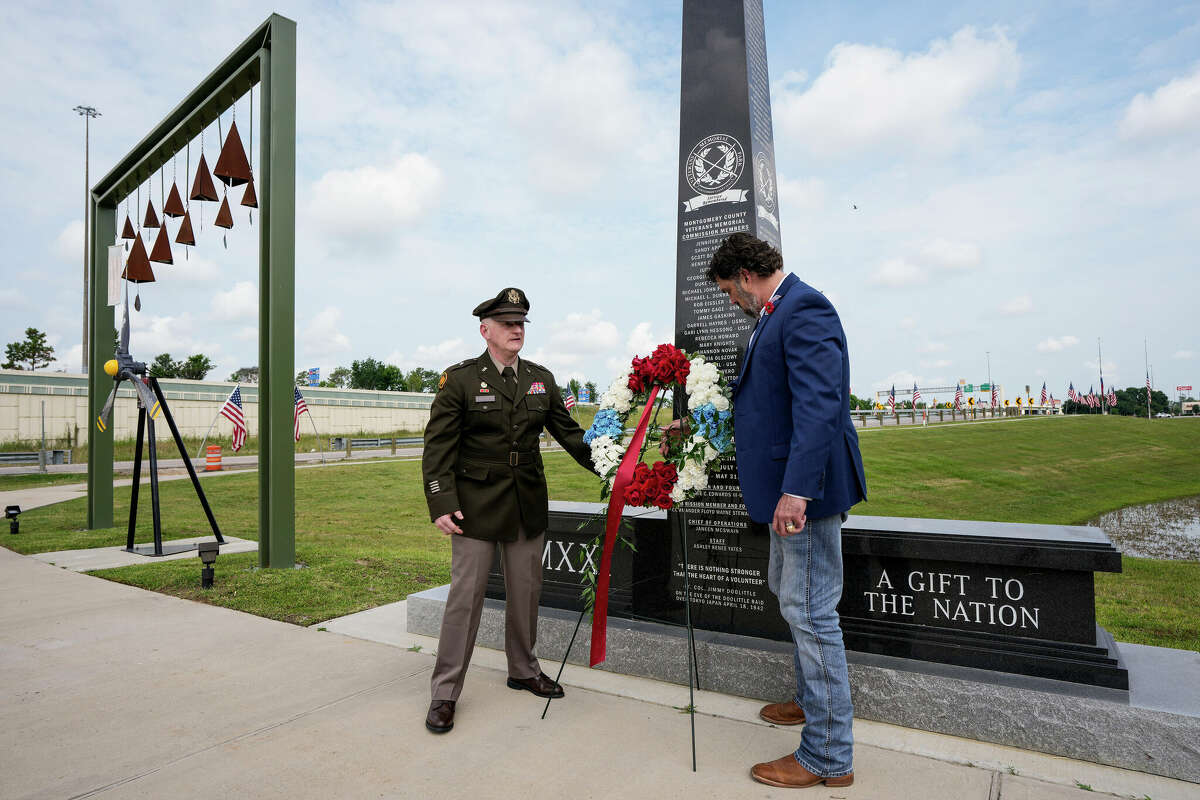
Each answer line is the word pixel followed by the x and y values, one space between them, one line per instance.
pixel 678 521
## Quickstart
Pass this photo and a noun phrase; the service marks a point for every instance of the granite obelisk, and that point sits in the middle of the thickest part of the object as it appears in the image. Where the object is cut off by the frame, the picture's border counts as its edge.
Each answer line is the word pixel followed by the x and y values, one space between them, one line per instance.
pixel 726 184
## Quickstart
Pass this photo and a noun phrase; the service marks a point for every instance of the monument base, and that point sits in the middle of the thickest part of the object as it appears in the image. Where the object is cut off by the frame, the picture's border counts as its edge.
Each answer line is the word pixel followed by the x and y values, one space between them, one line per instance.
pixel 1153 727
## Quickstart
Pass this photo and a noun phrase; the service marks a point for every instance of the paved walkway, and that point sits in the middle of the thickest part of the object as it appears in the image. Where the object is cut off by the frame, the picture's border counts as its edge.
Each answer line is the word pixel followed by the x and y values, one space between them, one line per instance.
pixel 112 691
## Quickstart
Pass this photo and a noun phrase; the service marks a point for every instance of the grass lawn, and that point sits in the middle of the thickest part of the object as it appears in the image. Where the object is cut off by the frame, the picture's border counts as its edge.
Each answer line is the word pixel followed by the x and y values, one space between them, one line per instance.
pixel 364 537
pixel 10 483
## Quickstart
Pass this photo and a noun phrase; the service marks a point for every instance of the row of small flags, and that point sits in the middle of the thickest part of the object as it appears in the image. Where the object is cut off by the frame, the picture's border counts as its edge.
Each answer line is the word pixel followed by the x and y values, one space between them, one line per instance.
pixel 232 411
pixel 1093 400
pixel 958 396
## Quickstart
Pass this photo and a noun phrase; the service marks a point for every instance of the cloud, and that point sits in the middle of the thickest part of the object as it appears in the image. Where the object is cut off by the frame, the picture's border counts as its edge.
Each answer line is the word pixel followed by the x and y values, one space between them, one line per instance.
pixel 69 361
pixel 896 273
pixel 869 96
pixel 1017 306
pixel 951 255
pixel 373 201
pixel 938 364
pixel 933 347
pixel 577 340
pixel 437 356
pixel 803 194
pixel 12 298
pixel 181 335
pixel 1053 345
pixel 1183 355
pixel 195 268
pixel 239 303
pixel 322 334
pixel 908 323
pixel 68 245
pixel 1173 109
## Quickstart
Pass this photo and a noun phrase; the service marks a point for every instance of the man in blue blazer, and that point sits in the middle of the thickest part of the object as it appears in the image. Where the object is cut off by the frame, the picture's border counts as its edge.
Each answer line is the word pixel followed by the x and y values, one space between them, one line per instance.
pixel 800 471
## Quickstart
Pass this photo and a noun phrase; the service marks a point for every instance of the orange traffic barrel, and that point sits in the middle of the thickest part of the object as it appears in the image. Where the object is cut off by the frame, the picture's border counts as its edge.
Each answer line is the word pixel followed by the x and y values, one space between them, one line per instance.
pixel 213 462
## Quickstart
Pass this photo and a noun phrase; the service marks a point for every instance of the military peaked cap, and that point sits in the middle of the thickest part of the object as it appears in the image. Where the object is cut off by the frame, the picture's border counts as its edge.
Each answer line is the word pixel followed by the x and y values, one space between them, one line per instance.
pixel 511 305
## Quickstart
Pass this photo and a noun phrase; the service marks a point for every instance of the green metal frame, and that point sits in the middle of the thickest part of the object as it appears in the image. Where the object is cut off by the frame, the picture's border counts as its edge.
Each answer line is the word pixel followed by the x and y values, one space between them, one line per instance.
pixel 267 57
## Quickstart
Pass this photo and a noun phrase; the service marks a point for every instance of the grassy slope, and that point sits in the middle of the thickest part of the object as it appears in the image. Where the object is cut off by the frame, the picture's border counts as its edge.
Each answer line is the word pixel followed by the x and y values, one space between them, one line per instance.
pixel 364 536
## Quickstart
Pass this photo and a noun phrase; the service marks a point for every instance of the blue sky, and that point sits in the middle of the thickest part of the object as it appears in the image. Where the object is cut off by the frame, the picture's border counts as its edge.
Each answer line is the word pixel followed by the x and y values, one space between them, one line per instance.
pixel 1025 175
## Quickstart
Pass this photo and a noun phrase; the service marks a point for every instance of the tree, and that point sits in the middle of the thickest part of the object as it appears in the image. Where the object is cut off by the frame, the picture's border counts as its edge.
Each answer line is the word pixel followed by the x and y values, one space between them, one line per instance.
pixel 302 378
pixel 338 379
pixel 163 367
pixel 573 385
pixel 245 375
pixel 373 374
pixel 32 351
pixel 420 379
pixel 195 368
pixel 593 397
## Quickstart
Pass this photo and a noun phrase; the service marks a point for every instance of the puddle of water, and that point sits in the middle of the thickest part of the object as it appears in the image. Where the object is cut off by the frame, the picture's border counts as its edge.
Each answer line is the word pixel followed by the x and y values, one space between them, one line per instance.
pixel 1170 529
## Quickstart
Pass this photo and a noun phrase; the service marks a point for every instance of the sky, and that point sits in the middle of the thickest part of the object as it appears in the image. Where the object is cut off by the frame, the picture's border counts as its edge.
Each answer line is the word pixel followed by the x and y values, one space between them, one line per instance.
pixel 1025 176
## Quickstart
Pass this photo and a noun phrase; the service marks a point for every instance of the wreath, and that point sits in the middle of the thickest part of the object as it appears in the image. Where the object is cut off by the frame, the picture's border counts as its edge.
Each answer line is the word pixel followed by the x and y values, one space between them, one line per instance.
pixel 693 454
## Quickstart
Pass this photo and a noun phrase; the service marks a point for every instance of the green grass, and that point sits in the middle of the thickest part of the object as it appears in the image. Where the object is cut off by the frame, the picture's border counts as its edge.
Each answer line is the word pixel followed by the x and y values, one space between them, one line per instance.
pixel 33 480
pixel 364 536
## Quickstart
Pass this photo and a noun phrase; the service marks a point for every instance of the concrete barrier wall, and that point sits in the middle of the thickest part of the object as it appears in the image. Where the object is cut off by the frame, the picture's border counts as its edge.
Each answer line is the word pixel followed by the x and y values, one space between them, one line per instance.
pixel 193 404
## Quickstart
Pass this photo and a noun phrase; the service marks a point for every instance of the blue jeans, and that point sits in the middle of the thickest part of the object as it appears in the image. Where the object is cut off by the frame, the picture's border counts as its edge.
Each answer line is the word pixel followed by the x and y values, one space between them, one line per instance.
pixel 805 573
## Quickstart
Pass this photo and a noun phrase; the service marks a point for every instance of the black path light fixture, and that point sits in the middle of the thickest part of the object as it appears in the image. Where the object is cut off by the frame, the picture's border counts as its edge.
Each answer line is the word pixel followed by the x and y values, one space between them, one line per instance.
pixel 208 552
pixel 14 524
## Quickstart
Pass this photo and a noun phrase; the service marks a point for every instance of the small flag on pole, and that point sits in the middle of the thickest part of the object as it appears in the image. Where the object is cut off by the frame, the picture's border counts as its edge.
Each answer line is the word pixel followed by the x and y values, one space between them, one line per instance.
pixel 1044 395
pixel 958 396
pixel 1112 397
pixel 1072 395
pixel 232 411
pixel 995 396
pixel 1147 394
pixel 301 407
pixel 569 400
pixel 916 394
pixel 892 400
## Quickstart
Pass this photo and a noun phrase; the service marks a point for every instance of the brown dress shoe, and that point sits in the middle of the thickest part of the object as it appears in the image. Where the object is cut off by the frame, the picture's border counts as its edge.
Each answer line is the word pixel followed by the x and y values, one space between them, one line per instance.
pixel 441 716
pixel 787 773
pixel 788 713
pixel 540 684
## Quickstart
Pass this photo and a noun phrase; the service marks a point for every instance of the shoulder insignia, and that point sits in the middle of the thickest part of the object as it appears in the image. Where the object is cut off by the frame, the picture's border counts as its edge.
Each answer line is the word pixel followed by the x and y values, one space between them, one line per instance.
pixel 442 380
pixel 534 365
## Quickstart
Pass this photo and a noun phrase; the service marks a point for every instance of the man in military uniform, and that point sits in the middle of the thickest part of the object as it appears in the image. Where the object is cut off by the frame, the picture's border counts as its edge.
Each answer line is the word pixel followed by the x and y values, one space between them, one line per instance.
pixel 486 487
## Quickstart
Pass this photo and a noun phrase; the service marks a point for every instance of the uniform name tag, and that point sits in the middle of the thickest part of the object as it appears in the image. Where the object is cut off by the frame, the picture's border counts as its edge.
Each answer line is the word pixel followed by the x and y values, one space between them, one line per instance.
pixel 485 398
pixel 537 387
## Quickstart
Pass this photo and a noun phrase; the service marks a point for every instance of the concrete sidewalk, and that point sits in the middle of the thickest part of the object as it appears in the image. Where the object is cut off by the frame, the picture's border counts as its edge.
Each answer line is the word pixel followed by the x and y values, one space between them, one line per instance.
pixel 116 692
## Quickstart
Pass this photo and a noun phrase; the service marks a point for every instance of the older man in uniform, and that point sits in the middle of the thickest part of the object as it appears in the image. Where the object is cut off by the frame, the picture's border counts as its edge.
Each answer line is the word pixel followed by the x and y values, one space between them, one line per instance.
pixel 486 487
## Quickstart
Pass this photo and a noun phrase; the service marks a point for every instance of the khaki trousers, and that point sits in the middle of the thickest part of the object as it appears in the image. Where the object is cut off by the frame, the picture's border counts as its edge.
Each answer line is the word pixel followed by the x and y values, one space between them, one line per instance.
pixel 470 561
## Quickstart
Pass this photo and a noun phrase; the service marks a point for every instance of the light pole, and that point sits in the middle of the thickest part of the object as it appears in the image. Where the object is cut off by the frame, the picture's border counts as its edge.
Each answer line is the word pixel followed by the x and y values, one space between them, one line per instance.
pixel 87 112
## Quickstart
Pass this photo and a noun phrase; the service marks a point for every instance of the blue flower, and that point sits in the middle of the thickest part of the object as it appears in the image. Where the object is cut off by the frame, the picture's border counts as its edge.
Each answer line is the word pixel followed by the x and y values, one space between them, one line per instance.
pixel 606 423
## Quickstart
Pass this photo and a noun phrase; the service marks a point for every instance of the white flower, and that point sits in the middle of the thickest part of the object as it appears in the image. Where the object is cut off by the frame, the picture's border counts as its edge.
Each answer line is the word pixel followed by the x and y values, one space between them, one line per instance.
pixel 720 402
pixel 677 494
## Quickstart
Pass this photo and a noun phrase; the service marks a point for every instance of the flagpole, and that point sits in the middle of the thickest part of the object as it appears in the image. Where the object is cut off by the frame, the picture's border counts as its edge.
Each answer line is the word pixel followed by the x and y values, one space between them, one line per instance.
pixel 1100 361
pixel 1146 353
pixel 204 441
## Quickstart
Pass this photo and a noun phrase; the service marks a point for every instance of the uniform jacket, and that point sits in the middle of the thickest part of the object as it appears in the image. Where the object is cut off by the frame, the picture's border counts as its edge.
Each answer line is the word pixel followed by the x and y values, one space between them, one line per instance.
pixel 481 448
pixel 791 406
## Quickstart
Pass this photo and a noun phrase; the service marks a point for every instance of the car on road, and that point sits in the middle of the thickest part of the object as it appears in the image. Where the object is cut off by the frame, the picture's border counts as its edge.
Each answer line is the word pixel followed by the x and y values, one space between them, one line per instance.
pixel 1162 415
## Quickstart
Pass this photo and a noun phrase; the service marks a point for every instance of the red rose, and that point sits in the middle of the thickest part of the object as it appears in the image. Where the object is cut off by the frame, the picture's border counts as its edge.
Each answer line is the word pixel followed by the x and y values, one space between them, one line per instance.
pixel 634 497
pixel 640 472
pixel 664 501
pixel 670 473
pixel 651 486
pixel 659 468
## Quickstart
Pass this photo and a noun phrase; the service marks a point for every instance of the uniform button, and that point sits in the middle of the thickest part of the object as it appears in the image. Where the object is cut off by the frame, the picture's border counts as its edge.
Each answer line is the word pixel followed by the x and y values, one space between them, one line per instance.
pixel 514 427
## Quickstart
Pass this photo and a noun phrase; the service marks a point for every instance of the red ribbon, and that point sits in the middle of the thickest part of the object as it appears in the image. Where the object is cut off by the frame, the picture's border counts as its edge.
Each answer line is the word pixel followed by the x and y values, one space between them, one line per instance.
pixel 616 507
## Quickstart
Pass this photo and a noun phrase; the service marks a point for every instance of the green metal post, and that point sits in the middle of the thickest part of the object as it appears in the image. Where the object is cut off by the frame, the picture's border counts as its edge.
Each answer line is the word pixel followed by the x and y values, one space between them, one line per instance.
pixel 277 300
pixel 100 445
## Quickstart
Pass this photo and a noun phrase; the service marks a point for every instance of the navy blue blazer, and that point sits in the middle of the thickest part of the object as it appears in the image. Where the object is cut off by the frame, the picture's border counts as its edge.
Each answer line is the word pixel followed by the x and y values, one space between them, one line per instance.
pixel 791 407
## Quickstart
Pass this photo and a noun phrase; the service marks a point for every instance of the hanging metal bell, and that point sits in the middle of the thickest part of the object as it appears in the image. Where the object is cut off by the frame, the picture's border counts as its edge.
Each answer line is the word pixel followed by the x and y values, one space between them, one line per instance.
pixel 161 253
pixel 203 188
pixel 151 220
pixel 232 168
pixel 137 266
pixel 249 197
pixel 224 216
pixel 127 231
pixel 185 235
pixel 174 205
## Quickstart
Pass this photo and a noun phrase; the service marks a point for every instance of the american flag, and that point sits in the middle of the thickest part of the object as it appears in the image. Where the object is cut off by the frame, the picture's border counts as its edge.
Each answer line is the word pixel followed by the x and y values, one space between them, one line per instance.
pixel 232 411
pixel 1091 397
pixel 916 394
pixel 1072 395
pixel 1044 395
pixel 1147 392
pixel 569 400
pixel 301 407
pixel 892 400
pixel 958 396
pixel 995 396
pixel 1112 397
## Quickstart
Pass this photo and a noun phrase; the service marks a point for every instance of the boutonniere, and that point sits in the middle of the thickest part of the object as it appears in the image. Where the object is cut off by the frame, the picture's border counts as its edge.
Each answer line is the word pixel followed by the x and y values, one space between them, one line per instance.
pixel 769 306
